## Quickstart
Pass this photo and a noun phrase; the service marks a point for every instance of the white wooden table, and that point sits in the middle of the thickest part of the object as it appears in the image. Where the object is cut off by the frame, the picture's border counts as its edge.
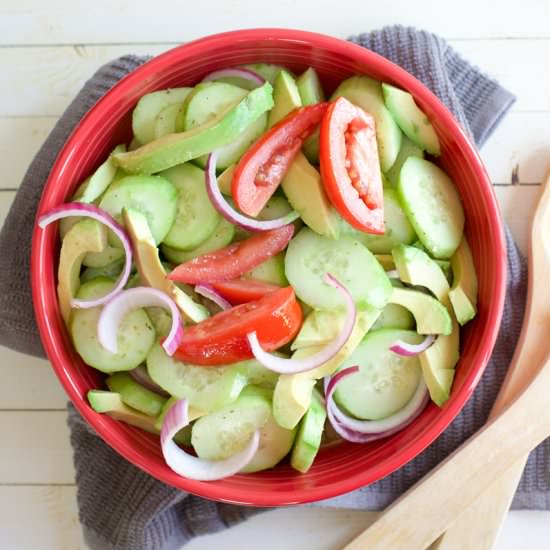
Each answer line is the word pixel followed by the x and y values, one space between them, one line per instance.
pixel 48 49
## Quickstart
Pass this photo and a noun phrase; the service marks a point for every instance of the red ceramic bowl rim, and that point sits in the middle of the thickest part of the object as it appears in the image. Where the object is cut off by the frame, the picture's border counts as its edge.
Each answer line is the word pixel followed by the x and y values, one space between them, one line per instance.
pixel 53 342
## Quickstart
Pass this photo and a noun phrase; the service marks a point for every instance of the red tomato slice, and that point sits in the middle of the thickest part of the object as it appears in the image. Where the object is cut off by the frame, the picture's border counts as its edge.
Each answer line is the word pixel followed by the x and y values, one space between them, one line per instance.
pixel 240 291
pixel 233 260
pixel 221 339
pixel 264 165
pixel 350 167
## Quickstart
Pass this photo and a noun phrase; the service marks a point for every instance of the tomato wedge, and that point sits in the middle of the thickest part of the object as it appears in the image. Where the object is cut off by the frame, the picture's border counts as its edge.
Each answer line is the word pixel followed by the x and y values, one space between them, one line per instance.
pixel 240 291
pixel 264 165
pixel 350 168
pixel 221 339
pixel 233 260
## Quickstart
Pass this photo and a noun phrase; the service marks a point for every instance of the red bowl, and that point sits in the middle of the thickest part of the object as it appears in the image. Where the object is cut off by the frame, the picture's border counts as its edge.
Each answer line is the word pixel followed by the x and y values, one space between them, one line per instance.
pixel 341 467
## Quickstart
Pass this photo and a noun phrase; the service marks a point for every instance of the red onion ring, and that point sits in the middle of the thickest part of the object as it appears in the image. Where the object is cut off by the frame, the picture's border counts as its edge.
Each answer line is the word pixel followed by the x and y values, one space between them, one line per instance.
pixel 193 467
pixel 239 72
pixel 141 376
pixel 141 296
pixel 90 211
pixel 292 366
pixel 209 292
pixel 229 213
pixel 365 431
pixel 404 348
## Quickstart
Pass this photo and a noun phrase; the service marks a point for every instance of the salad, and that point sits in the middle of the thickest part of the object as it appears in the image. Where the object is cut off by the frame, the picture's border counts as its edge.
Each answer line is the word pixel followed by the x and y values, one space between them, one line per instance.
pixel 261 266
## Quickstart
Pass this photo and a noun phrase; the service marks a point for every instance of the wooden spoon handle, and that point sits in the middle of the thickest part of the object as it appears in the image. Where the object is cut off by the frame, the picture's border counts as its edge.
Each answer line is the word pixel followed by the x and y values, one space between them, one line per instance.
pixel 416 519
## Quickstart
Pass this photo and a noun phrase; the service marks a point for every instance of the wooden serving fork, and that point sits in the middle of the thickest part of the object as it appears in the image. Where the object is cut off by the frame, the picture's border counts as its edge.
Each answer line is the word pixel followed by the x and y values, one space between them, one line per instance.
pixel 485 470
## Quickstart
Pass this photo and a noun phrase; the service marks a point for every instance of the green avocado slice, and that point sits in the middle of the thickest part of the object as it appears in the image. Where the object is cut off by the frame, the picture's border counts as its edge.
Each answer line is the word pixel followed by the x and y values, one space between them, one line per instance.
pixel 286 98
pixel 463 293
pixel 172 149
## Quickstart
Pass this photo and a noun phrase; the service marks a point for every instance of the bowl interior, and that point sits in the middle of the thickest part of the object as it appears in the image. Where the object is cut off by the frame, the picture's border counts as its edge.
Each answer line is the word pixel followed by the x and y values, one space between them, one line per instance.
pixel 339 467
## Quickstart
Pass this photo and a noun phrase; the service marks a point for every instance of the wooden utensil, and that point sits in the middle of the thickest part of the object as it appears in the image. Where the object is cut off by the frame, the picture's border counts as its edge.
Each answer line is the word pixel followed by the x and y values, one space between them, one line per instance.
pixel 478 526
pixel 421 515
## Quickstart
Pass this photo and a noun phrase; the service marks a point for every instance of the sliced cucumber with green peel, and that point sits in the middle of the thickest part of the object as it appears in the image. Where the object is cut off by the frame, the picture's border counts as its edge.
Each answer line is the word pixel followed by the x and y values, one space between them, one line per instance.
pixel 173 149
pixel 432 203
pixel 205 388
pixel 166 120
pixel 221 236
pixel 153 196
pixel 257 374
pixel 111 271
pixel 148 108
pixel 385 382
pixel 310 256
pixel 136 334
pixel 308 438
pixel 366 93
pixel 134 394
pixel 414 123
pixel 395 316
pixel 195 218
pixel 271 271
pixel 431 316
pixel 104 258
pixel 408 149
pixel 286 98
pixel 397 228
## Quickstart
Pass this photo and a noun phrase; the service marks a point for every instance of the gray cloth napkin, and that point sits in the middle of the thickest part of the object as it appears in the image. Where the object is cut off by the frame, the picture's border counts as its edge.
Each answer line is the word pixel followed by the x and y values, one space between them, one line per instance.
pixel 121 507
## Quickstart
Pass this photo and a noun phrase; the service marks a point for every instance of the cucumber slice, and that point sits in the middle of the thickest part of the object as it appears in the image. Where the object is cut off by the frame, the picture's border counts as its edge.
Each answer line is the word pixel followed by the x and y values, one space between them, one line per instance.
pixel 209 100
pixel 221 236
pixel 135 395
pixel 144 116
pixel 153 196
pixel 271 271
pixel 286 98
pixel 397 227
pixel 310 256
pixel 431 315
pixel 104 258
pixel 309 435
pixel 111 271
pixel 366 93
pixel 395 316
pixel 226 431
pixel 408 149
pixel 385 382
pixel 432 203
pixel 166 120
pixel 414 123
pixel 258 375
pixel 136 334
pixel 205 388
pixel 196 218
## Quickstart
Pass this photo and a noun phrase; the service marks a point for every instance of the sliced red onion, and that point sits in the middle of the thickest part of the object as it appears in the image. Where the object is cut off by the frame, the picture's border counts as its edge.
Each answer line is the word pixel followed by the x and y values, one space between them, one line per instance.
pixel 393 274
pixel 239 72
pixel 209 292
pixel 90 211
pixel 364 431
pixel 404 348
pixel 229 213
pixel 141 296
pixel 292 366
pixel 141 376
pixel 193 467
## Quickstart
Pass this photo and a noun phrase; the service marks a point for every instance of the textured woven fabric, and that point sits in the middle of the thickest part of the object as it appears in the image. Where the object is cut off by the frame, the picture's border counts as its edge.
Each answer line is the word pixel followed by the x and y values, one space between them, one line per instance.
pixel 121 507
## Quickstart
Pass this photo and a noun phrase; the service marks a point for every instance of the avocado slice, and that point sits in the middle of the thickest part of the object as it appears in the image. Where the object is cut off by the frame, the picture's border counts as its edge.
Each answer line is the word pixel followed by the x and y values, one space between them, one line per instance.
pixel 173 149
pixel 310 432
pixel 150 268
pixel 286 98
pixel 225 179
pixel 135 395
pixel 366 93
pixel 304 190
pixel 111 403
pixel 463 293
pixel 430 314
pixel 311 92
pixel 85 236
pixel 292 395
pixel 417 268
